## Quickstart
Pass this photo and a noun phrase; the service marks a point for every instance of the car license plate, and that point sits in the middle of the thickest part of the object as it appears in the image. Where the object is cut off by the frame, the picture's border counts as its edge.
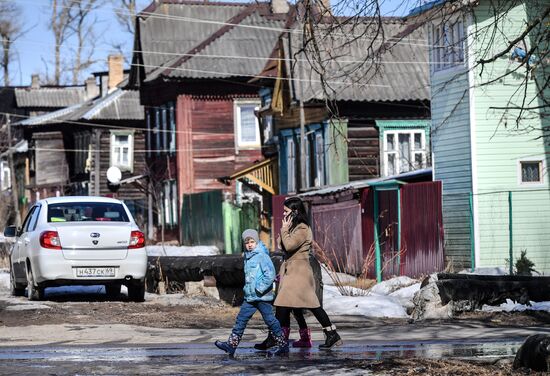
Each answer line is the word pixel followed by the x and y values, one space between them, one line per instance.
pixel 96 272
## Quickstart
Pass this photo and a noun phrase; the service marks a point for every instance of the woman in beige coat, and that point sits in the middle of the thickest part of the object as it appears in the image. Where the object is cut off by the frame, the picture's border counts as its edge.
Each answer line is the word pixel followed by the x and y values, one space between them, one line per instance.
pixel 297 284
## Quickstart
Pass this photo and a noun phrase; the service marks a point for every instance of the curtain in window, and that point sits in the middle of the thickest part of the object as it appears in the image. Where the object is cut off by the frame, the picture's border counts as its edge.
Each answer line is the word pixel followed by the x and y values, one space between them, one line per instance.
pixel 248 124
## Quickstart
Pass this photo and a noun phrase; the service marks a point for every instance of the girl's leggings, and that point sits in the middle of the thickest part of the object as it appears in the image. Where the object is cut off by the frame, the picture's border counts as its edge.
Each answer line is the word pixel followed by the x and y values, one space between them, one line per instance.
pixel 283 315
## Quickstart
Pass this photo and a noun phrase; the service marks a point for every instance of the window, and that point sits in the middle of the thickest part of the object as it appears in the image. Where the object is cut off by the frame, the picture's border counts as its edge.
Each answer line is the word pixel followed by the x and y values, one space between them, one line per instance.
pixel 122 150
pixel 172 120
pixel 87 211
pixel 267 128
pixel 319 160
pixel 164 128
pixel 531 172
pixel 404 151
pixel 246 125
pixel 149 132
pixel 170 203
pixel 5 177
pixel 447 44
pixel 291 163
pixel 156 130
pixel 26 222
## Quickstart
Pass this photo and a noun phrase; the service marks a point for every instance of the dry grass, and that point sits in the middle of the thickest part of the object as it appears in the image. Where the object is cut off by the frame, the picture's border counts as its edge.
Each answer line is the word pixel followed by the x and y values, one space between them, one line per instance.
pixel 360 283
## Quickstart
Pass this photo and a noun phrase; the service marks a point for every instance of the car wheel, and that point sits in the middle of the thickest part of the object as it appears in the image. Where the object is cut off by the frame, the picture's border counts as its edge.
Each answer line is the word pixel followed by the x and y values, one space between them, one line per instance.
pixel 15 289
pixel 33 292
pixel 136 292
pixel 112 290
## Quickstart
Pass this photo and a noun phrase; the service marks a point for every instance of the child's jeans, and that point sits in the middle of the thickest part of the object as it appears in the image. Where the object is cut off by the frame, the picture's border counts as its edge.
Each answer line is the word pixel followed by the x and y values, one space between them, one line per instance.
pixel 247 311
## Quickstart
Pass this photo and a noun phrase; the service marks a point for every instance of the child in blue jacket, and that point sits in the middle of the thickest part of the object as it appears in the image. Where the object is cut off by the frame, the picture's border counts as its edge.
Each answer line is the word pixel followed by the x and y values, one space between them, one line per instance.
pixel 259 274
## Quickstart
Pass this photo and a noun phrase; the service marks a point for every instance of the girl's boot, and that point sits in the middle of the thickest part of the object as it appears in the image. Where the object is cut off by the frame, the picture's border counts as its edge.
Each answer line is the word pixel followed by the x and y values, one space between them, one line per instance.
pixel 231 345
pixel 305 339
pixel 331 338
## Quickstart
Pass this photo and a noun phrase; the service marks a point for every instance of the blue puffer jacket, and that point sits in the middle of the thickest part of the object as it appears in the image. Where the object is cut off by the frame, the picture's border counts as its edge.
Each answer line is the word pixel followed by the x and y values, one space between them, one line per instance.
pixel 259 274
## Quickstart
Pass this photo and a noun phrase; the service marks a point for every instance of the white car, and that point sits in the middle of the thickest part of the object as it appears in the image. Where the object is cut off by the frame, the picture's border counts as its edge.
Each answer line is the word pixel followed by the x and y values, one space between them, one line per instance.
pixel 78 241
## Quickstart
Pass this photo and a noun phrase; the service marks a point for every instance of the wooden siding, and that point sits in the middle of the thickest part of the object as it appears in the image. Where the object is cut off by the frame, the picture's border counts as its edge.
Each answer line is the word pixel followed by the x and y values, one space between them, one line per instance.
pixel 450 135
pixel 363 150
pixel 50 162
pixel 126 191
pixel 501 144
pixel 206 140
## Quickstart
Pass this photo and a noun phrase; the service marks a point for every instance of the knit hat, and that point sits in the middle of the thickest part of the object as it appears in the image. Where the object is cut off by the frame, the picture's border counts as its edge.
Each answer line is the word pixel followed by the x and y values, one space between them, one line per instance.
pixel 250 233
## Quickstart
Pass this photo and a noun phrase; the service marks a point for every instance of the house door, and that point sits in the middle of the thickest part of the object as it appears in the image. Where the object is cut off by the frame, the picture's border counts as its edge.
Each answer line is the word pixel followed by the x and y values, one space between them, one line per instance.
pixel 388 230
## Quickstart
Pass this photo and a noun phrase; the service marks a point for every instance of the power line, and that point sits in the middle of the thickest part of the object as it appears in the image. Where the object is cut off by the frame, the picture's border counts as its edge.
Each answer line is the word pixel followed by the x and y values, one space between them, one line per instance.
pixel 123 12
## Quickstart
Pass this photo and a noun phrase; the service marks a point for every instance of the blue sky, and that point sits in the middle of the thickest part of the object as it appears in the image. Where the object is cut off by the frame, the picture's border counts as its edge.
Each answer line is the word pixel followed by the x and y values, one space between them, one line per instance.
pixel 35 48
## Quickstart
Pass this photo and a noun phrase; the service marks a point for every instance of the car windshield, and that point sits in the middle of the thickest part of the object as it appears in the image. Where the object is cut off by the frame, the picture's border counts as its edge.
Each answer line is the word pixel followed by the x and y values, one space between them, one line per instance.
pixel 87 211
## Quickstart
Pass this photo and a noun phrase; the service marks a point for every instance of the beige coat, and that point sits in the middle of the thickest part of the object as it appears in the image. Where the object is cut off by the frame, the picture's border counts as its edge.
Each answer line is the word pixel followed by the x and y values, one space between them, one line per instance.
pixel 297 285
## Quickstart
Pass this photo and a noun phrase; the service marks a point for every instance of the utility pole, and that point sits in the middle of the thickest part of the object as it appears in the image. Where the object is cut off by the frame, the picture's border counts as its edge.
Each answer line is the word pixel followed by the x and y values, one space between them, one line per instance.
pixel 302 130
pixel 15 201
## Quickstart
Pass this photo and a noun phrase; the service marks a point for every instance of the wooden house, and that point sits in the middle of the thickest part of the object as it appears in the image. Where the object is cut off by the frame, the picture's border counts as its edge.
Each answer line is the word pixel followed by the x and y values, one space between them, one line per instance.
pixel 491 155
pixel 361 120
pixel 193 81
pixel 18 103
pixel 72 148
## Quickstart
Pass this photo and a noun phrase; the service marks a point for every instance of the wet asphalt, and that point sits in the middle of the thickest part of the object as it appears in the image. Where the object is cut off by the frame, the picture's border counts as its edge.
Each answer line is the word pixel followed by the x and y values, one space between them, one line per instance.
pixel 354 357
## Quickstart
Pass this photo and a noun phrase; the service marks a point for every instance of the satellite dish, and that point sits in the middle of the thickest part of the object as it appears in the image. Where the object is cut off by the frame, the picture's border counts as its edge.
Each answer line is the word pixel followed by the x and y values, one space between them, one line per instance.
pixel 114 175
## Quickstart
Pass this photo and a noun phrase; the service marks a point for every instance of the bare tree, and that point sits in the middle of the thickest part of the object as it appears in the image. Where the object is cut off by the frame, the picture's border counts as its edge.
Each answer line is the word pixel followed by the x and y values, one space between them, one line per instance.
pixel 60 24
pixel 10 30
pixel 329 32
pixel 82 26
pixel 126 15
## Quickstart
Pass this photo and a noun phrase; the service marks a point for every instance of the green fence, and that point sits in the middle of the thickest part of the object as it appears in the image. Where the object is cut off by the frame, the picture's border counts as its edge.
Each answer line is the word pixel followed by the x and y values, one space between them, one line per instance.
pixel 507 224
pixel 236 220
pixel 208 220
pixel 512 222
pixel 201 219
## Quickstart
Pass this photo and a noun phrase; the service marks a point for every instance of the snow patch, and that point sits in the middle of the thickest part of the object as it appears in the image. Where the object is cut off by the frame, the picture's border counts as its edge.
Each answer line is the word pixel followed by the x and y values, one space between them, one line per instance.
pixel 511 306
pixel 173 250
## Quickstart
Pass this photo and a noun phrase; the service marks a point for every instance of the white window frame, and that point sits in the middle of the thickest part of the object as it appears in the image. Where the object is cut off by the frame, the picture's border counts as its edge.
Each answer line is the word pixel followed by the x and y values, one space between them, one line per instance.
pixel 413 151
pixel 5 172
pixel 122 167
pixel 239 143
pixel 542 172
pixel 447 44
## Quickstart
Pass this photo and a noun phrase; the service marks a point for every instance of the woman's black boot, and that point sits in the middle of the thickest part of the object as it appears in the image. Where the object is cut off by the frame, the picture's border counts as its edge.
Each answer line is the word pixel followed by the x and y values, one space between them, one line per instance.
pixel 331 338
pixel 268 343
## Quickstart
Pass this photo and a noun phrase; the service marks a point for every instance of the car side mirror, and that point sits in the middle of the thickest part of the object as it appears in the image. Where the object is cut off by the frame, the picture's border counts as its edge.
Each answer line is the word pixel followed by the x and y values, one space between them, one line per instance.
pixel 10 231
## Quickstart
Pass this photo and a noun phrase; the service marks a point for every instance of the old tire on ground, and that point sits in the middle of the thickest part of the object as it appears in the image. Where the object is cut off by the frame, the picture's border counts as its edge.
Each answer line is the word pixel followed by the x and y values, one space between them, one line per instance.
pixel 34 292
pixel 112 290
pixel 15 288
pixel 136 292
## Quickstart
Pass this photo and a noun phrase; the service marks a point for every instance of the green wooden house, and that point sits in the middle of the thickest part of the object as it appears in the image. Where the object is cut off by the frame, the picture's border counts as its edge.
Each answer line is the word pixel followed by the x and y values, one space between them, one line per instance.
pixel 491 155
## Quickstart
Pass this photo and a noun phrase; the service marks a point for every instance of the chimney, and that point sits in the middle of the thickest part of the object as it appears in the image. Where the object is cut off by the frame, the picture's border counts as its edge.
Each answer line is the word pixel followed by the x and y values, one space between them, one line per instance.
pixel 279 6
pixel 116 73
pixel 35 81
pixel 92 90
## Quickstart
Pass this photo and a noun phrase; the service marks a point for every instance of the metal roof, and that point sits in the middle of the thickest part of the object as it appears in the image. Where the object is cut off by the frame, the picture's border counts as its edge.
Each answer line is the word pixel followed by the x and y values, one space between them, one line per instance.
pixel 118 105
pixel 399 71
pixel 198 40
pixel 48 97
pixel 358 184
